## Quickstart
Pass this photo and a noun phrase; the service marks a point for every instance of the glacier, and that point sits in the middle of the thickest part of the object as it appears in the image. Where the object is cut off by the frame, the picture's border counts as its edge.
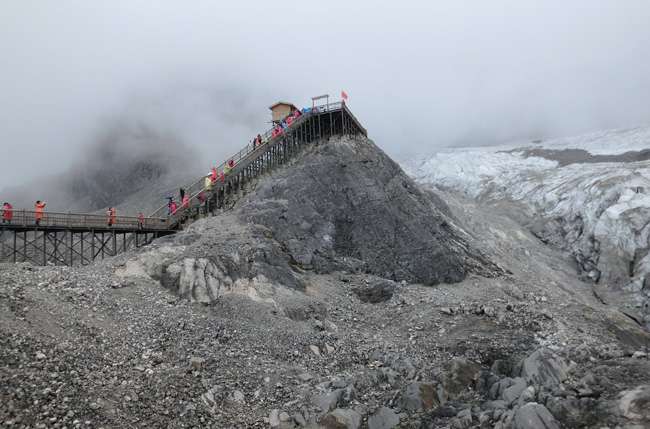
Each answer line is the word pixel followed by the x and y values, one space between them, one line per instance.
pixel 588 194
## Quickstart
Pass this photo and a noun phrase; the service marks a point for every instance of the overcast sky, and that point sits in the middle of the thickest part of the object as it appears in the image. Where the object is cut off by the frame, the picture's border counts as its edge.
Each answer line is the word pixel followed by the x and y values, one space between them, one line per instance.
pixel 420 74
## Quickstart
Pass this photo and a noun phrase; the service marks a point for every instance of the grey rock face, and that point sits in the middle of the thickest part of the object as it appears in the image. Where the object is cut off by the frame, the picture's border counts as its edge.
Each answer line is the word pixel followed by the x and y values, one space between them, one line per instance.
pixel 534 416
pixel 383 418
pixel 545 368
pixel 196 279
pixel 347 199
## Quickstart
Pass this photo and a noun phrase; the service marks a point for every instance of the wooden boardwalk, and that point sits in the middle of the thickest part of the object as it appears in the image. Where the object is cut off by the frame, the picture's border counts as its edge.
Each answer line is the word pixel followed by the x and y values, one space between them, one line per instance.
pixel 73 238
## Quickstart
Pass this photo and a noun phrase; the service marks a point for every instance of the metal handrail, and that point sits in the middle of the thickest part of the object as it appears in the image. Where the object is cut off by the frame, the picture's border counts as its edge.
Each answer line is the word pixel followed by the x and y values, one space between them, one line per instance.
pixel 196 187
pixel 27 218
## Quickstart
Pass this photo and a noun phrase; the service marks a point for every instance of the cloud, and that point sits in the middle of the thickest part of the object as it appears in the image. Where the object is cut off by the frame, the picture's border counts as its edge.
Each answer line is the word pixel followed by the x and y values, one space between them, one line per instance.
pixel 420 75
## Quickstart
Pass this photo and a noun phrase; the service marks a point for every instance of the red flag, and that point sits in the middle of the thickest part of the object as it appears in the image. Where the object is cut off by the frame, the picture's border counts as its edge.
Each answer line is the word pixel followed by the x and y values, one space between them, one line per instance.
pixel 344 95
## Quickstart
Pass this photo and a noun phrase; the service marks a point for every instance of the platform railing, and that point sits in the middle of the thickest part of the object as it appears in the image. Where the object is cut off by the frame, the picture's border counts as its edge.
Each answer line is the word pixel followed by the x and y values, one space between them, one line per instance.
pixel 27 218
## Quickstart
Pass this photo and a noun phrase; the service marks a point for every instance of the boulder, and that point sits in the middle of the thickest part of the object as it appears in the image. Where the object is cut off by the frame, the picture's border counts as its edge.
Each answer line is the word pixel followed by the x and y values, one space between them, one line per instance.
pixel 327 401
pixel 512 393
pixel 341 418
pixel 463 420
pixel 274 418
pixel 497 389
pixel 635 404
pixel 376 292
pixel 495 405
pixel 420 396
pixel 383 418
pixel 534 416
pixel 528 395
pixel 459 375
pixel 544 368
pixel 197 363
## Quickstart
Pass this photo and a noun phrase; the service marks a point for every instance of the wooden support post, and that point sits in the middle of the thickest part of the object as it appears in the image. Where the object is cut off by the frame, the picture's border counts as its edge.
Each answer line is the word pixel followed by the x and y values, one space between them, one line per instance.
pixel 44 247
pixel 71 238
pixel 15 249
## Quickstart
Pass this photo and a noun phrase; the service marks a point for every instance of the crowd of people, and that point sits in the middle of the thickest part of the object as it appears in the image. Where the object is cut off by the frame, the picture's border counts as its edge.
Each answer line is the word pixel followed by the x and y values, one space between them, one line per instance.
pixel 286 122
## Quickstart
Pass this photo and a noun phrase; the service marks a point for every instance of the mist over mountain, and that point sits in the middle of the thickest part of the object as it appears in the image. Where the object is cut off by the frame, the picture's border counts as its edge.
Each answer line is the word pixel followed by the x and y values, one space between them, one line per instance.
pixel 127 156
pixel 421 76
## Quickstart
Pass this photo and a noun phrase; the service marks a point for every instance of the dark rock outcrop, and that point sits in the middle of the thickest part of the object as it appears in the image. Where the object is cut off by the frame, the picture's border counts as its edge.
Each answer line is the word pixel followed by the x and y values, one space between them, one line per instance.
pixel 347 199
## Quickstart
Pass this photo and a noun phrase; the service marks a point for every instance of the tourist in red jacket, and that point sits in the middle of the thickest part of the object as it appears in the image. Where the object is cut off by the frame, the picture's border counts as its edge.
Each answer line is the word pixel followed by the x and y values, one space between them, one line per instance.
pixel 7 212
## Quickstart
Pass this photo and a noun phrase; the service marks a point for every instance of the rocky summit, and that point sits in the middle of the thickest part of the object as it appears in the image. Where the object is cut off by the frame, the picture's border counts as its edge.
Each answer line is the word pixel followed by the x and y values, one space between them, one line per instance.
pixel 332 292
pixel 340 206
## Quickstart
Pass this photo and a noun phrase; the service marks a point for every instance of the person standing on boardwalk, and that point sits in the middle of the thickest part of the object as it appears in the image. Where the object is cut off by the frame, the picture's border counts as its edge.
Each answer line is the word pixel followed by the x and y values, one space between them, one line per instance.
pixel 111 216
pixel 39 207
pixel 7 212
pixel 140 220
